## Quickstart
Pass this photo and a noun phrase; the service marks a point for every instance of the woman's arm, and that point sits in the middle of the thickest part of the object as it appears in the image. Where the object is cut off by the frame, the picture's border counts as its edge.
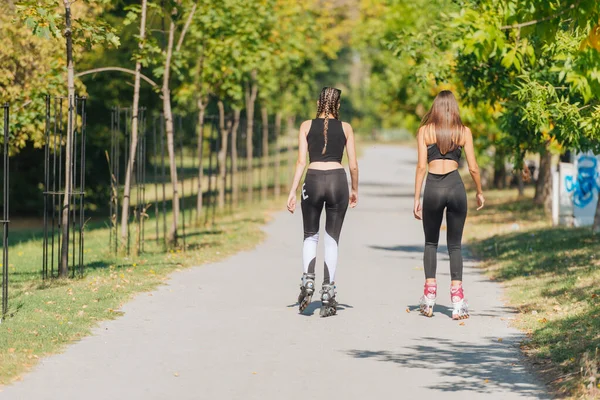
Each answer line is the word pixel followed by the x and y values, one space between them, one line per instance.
pixel 352 163
pixel 473 167
pixel 300 165
pixel 420 173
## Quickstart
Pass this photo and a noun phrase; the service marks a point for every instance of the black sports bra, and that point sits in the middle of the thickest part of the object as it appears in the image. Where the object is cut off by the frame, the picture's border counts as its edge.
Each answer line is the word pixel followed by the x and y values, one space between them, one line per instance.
pixel 433 153
pixel 336 141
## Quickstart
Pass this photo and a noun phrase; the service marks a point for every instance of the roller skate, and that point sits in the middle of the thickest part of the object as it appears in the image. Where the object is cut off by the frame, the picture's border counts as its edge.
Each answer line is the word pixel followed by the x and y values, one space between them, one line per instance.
pixel 307 289
pixel 328 303
pixel 460 308
pixel 428 299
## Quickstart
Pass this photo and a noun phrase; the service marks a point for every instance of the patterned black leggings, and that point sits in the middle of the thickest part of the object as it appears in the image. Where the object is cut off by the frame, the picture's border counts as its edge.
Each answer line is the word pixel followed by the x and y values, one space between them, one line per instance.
pixel 330 189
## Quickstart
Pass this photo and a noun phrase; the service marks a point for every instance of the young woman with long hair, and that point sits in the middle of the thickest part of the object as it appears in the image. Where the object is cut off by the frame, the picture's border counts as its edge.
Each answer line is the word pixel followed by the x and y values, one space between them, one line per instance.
pixel 441 139
pixel 325 185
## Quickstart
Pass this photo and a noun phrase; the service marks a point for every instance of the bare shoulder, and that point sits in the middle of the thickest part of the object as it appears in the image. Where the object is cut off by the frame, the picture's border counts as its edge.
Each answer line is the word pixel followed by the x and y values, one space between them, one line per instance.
pixel 424 135
pixel 468 133
pixel 347 128
pixel 305 126
pixel 467 137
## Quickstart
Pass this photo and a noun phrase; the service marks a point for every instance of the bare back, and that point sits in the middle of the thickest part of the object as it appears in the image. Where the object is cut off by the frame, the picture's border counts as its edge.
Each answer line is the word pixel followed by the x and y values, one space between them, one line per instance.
pixel 440 167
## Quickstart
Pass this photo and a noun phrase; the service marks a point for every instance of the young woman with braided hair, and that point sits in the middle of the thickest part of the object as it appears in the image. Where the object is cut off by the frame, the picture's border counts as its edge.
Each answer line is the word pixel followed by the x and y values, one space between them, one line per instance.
pixel 441 139
pixel 326 184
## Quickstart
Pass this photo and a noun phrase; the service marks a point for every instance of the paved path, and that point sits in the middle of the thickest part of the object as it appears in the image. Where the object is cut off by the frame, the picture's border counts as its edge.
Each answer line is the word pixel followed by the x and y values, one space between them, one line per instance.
pixel 232 331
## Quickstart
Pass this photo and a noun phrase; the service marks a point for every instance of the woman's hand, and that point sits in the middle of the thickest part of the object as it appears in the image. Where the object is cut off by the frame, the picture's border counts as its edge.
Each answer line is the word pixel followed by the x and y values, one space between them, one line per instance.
pixel 291 203
pixel 417 210
pixel 353 198
pixel 480 201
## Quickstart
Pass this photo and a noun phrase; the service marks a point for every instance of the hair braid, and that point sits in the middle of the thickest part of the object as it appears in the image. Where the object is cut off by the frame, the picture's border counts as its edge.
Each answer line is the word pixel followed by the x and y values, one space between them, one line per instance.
pixel 329 104
pixel 327 110
pixel 321 104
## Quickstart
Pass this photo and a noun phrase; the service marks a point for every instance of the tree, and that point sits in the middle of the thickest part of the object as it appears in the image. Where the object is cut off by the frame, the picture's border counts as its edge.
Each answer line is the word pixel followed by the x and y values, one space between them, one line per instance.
pixel 134 129
pixel 168 59
pixel 524 58
pixel 42 17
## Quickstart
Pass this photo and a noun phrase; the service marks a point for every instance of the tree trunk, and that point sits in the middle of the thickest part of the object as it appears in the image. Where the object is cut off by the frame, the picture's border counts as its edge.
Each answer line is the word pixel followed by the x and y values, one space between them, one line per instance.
pixel 265 153
pixel 277 180
pixel 64 255
pixel 499 170
pixel 596 225
pixel 251 92
pixel 200 132
pixel 134 135
pixel 290 150
pixel 520 183
pixel 222 154
pixel 234 157
pixel 543 187
pixel 166 92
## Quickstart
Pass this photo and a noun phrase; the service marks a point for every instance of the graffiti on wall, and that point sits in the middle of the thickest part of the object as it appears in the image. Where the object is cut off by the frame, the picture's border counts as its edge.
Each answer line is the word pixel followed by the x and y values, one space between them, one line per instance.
pixel 585 185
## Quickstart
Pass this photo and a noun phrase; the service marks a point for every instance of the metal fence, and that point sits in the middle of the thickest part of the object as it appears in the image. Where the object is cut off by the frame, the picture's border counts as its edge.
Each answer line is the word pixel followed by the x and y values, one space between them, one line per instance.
pixel 59 244
pixel 214 173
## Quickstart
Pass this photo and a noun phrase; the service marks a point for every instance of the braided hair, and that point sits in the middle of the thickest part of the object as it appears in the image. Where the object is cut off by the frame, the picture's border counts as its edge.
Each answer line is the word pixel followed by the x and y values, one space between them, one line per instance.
pixel 329 103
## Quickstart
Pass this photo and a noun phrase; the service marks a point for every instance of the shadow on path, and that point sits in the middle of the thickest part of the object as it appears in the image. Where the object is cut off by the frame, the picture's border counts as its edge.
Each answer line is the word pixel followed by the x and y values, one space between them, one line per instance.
pixel 468 367
pixel 437 309
pixel 316 305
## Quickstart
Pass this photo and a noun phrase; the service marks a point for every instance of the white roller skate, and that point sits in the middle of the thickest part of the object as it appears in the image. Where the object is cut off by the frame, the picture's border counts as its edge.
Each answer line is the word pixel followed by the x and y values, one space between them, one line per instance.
pixel 460 308
pixel 428 299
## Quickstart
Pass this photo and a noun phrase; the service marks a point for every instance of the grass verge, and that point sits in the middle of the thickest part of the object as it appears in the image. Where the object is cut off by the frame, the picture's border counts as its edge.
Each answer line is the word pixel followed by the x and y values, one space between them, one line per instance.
pixel 552 277
pixel 46 316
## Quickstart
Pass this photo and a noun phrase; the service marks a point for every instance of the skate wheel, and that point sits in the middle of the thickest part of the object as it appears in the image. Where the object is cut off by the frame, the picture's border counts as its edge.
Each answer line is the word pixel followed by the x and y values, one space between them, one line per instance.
pixel 304 303
pixel 427 311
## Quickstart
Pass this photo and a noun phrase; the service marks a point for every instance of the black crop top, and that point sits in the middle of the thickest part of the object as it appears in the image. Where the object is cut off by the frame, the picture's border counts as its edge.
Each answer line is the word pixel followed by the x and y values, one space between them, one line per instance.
pixel 433 153
pixel 336 141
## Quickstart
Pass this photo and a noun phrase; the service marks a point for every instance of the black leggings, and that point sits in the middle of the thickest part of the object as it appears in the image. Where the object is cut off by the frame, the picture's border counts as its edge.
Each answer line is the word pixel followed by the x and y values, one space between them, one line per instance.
pixel 330 189
pixel 444 192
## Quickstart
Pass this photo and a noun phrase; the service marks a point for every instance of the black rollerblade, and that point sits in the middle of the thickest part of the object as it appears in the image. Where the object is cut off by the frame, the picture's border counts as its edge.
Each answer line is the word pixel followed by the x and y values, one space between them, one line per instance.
pixel 328 303
pixel 307 288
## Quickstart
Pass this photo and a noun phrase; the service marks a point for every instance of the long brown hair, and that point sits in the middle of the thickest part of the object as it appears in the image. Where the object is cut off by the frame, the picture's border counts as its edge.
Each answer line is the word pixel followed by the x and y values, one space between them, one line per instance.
pixel 442 124
pixel 329 103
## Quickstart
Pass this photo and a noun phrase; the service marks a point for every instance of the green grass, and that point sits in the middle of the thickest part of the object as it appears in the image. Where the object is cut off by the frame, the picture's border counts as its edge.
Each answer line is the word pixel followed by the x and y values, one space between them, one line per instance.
pixel 552 277
pixel 46 316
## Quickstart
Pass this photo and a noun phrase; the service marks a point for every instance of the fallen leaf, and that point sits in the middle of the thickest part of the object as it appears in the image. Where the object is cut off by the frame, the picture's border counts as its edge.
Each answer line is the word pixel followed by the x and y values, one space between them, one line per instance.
pixel 543 320
pixel 486 381
pixel 11 350
pixel 254 373
pixel 407 310
pixel 462 324
pixel 594 296
pixel 175 373
pixel 500 340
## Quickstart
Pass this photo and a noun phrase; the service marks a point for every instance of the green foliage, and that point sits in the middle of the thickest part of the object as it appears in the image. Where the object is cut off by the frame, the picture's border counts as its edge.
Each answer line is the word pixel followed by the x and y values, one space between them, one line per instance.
pixel 30 67
pixel 46 19
pixel 536 63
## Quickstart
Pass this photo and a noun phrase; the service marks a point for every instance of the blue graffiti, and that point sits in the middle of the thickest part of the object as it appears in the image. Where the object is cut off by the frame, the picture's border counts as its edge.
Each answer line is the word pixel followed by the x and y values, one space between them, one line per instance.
pixel 587 181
